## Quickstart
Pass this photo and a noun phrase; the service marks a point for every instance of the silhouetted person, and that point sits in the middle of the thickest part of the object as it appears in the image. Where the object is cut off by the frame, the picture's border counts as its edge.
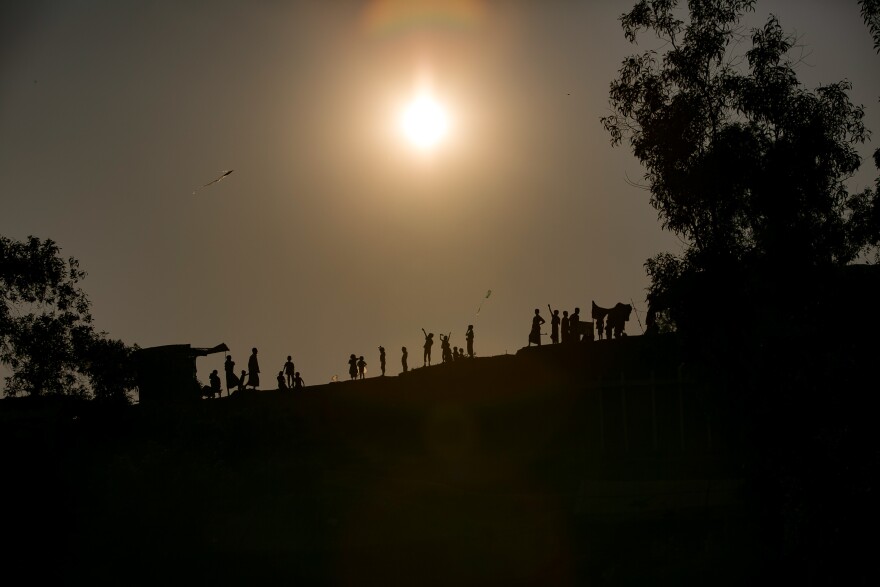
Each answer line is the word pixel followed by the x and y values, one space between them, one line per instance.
pixel 565 326
pixel 353 367
pixel 289 371
pixel 535 334
pixel 454 353
pixel 574 325
pixel 444 348
pixel 461 353
pixel 232 382
pixel 298 382
pixel 469 336
pixel 382 359
pixel 429 342
pixel 554 326
pixel 361 365
pixel 403 357
pixel 600 326
pixel 253 369
pixel 282 384
pixel 215 383
pixel 241 381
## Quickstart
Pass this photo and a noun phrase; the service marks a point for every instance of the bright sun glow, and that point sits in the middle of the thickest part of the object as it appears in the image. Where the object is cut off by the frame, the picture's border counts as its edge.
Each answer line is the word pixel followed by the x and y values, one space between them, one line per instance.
pixel 424 122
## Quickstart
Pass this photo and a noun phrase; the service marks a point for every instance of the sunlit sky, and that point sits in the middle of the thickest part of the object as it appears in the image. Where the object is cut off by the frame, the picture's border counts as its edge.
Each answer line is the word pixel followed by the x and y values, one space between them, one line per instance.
pixel 335 234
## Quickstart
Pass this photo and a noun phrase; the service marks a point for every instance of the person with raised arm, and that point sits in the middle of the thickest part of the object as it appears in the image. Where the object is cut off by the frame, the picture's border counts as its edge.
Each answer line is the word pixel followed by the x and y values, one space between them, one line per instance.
pixel 554 325
pixel 429 342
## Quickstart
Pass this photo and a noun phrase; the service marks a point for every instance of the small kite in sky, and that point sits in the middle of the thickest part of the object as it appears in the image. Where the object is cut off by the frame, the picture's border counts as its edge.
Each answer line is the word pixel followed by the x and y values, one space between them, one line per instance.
pixel 488 293
pixel 224 174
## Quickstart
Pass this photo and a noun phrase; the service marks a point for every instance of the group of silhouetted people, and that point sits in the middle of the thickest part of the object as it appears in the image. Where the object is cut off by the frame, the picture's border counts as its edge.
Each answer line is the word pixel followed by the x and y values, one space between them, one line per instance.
pixel 566 329
pixel 357 365
pixel 448 353
pixel 288 377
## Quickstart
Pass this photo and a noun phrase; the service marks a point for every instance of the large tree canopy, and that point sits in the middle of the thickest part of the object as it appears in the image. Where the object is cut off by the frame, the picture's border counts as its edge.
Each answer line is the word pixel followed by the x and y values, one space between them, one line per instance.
pixel 46 335
pixel 743 163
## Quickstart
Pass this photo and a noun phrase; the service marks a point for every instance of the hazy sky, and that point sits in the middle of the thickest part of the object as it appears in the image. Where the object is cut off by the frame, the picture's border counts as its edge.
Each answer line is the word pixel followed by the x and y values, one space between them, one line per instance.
pixel 334 235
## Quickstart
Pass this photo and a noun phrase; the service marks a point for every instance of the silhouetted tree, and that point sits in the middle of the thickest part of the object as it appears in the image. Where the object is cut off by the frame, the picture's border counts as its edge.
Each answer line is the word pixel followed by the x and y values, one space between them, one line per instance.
pixel 46 336
pixel 742 163
pixel 871 14
pixel 107 363
pixel 748 169
pixel 871 230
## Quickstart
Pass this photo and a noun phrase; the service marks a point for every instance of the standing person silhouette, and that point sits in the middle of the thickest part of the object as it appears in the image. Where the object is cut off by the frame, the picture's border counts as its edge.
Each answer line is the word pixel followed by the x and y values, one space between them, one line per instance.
pixel 382 359
pixel 565 326
pixel 241 381
pixel 403 357
pixel 215 383
pixel 352 367
pixel 231 380
pixel 535 334
pixel 289 372
pixel 429 342
pixel 361 365
pixel 554 326
pixel 574 326
pixel 469 336
pixel 253 369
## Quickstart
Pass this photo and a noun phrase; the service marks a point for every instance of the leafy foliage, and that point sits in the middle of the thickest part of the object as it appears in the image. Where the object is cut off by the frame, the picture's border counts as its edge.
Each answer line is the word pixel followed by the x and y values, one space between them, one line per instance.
pixel 46 335
pixel 871 14
pixel 744 164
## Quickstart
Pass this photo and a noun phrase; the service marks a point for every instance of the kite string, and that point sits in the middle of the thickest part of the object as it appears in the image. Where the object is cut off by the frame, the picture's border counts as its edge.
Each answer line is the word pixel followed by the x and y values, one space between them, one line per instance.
pixel 480 307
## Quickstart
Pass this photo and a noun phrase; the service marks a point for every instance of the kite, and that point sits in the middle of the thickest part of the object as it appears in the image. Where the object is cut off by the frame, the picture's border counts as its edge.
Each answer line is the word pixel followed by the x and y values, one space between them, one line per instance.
pixel 225 173
pixel 488 293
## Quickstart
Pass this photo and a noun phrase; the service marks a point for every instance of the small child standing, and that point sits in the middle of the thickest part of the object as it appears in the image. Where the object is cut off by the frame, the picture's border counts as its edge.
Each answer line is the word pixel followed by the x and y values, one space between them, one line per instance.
pixel 362 366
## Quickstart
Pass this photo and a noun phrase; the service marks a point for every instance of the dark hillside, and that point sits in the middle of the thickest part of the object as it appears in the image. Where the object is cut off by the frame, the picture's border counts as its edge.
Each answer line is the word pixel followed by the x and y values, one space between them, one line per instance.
pixel 565 465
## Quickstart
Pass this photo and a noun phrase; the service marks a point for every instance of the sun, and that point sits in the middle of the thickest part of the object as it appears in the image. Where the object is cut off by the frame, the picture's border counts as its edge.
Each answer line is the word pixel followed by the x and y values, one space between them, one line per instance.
pixel 424 122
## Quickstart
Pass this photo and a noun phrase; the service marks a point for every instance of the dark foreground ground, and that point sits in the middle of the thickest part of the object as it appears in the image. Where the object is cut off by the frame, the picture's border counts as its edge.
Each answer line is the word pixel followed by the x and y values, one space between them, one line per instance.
pixel 553 467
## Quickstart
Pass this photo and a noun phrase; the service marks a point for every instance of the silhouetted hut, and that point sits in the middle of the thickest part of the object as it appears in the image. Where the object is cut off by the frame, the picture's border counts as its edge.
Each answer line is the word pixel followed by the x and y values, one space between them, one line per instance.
pixel 168 373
